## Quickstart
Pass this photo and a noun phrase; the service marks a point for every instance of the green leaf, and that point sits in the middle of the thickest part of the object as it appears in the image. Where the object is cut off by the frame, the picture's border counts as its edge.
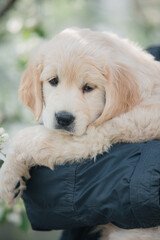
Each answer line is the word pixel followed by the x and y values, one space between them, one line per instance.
pixel 24 223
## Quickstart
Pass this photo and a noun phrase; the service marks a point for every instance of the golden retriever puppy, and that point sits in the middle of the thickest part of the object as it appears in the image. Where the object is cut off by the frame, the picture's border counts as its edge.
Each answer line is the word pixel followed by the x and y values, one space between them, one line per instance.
pixel 92 90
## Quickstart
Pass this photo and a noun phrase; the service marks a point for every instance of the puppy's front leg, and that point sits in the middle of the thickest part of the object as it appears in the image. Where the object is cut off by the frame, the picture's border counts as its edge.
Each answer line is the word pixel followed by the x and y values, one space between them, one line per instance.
pixel 13 174
pixel 15 169
pixel 41 146
pixel 32 146
pixel 59 148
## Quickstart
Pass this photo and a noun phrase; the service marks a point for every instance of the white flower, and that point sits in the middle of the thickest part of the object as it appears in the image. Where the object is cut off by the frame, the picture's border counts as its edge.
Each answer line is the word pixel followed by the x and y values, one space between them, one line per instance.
pixel 5 137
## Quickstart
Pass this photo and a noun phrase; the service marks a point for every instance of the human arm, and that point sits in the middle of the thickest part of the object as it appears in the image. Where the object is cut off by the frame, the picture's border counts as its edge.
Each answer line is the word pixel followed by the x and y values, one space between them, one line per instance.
pixel 121 187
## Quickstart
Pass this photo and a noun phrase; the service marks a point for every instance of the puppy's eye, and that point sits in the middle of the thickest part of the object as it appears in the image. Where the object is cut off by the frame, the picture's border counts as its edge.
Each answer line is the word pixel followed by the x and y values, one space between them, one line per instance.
pixel 54 81
pixel 87 88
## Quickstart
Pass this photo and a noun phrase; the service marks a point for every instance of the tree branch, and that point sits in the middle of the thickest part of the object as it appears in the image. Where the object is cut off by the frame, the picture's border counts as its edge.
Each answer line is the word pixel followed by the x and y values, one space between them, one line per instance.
pixel 7 7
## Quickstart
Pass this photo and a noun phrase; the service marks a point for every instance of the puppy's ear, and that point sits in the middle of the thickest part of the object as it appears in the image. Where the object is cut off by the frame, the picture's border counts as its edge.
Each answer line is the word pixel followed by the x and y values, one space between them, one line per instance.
pixel 30 89
pixel 122 92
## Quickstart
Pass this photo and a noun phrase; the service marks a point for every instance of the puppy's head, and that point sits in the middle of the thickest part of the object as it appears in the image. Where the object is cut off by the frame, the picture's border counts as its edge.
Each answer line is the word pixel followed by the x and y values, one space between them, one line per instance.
pixel 76 80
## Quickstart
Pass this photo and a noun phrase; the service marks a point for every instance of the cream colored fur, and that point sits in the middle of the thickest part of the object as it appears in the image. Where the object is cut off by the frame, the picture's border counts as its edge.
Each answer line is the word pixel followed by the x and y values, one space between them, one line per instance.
pixel 123 107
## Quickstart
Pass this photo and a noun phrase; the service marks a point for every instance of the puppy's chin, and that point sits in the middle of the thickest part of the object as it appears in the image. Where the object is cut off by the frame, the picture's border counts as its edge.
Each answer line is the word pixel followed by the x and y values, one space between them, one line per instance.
pixel 63 132
pixel 67 132
pixel 70 133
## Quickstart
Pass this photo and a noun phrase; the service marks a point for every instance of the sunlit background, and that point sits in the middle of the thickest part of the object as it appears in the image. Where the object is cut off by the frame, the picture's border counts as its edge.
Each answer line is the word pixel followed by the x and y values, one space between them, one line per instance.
pixel 24 24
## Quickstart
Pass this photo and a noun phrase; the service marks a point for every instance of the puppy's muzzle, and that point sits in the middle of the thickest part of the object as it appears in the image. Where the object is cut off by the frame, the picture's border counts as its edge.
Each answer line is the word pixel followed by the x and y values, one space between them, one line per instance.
pixel 64 120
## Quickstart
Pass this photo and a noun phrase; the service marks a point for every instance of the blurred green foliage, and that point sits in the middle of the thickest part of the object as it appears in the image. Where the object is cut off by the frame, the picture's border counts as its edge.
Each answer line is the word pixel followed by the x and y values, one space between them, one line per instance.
pixel 28 23
pixel 16 215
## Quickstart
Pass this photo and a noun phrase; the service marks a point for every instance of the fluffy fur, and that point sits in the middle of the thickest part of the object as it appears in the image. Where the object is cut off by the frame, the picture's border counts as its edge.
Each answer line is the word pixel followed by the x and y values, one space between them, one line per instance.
pixel 123 106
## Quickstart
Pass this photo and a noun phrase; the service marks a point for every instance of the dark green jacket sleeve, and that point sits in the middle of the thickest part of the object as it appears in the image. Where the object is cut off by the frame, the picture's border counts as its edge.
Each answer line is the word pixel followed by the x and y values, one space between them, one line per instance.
pixel 121 186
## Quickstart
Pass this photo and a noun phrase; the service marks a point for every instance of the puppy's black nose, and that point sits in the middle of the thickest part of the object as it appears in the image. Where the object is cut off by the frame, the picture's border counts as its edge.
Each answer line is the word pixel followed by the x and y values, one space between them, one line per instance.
pixel 64 119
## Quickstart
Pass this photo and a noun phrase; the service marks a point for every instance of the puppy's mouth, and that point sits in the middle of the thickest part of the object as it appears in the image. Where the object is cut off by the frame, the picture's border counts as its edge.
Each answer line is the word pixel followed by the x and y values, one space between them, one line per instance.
pixel 65 129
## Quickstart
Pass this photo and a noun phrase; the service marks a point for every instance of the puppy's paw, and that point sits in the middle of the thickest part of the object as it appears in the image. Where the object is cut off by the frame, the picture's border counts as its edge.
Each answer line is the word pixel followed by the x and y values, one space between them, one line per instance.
pixel 11 187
